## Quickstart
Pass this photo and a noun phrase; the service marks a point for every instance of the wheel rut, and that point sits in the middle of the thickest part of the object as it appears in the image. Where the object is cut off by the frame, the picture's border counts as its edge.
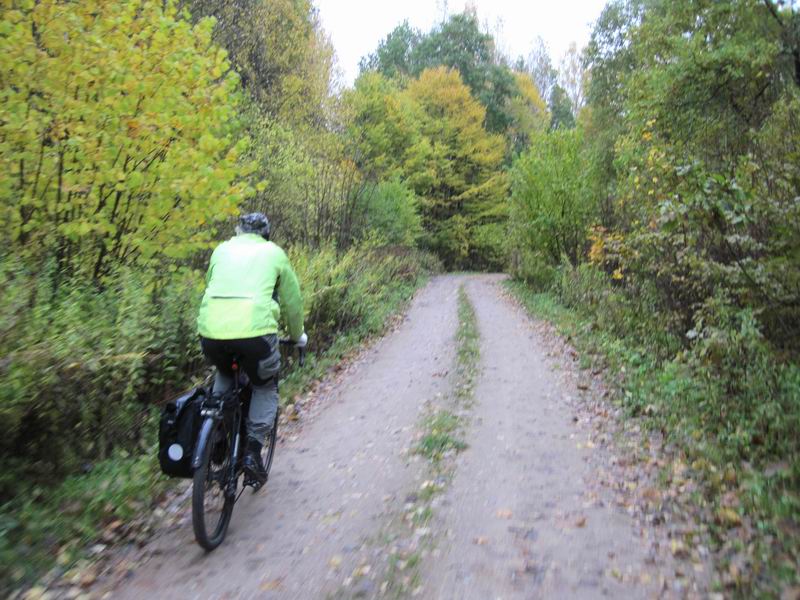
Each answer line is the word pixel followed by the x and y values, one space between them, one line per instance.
pixel 519 519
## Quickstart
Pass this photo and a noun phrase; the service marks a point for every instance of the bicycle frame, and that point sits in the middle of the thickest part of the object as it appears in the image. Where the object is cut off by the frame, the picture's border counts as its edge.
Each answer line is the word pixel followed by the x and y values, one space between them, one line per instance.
pixel 213 414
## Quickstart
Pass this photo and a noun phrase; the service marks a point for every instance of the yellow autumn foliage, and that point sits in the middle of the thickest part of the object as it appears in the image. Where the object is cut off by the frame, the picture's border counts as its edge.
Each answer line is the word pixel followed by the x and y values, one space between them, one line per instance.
pixel 118 136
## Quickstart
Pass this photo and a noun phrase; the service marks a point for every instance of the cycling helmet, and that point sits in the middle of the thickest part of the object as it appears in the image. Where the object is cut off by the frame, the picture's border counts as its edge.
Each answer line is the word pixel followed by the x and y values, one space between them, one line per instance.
pixel 254 223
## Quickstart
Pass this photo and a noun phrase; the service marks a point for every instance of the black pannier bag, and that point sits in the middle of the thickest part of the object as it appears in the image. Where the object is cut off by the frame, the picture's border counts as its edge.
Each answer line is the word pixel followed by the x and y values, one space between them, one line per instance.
pixel 177 433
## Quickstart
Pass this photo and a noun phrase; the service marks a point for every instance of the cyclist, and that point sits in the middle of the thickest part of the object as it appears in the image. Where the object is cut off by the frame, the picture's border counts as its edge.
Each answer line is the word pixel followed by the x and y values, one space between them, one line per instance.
pixel 249 282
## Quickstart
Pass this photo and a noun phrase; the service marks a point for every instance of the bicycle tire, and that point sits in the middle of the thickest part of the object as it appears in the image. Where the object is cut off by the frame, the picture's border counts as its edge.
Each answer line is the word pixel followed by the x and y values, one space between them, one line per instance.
pixel 205 478
pixel 268 449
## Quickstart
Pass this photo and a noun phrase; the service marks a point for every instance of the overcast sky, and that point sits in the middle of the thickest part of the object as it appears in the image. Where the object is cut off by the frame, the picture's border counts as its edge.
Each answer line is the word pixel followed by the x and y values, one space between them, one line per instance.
pixel 357 26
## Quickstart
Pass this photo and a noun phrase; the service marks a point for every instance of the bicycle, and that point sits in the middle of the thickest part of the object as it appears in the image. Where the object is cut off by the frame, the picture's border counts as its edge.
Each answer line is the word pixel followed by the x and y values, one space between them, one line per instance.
pixel 217 458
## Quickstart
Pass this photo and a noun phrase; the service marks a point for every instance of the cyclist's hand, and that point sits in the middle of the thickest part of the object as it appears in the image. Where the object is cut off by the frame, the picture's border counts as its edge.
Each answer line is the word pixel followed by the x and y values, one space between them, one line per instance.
pixel 301 343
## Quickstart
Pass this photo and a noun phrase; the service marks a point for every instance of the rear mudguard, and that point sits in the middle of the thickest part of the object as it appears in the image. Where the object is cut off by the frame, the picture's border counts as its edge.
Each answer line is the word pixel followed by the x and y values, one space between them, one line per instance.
pixel 202 439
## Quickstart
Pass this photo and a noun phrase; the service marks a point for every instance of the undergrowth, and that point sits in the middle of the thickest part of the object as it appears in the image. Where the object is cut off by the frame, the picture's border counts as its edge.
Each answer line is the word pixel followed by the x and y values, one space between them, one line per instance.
pixel 728 404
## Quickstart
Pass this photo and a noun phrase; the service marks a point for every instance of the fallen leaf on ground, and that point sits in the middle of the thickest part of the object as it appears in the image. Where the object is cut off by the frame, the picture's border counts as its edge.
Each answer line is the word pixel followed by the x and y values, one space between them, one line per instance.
pixel 361 571
pixel 679 549
pixel 335 561
pixel 481 540
pixel 729 517
pixel 580 522
pixel 35 593
pixel 651 495
pixel 270 585
pixel 504 513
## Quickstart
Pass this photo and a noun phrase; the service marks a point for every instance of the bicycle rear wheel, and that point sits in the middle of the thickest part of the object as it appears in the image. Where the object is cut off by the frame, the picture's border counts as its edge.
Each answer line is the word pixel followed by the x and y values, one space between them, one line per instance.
pixel 212 507
pixel 268 449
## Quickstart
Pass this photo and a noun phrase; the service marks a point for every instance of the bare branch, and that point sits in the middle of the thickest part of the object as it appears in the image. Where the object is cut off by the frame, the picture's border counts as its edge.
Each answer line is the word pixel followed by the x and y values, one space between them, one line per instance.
pixel 774 11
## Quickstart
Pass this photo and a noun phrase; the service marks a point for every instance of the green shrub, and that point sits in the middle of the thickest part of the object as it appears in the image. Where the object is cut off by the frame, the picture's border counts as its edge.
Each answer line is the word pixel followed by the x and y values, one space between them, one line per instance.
pixel 550 209
pixel 392 214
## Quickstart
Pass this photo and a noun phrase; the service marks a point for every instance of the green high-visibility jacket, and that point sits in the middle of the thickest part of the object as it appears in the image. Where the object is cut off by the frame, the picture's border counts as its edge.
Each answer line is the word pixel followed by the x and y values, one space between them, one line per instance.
pixel 249 281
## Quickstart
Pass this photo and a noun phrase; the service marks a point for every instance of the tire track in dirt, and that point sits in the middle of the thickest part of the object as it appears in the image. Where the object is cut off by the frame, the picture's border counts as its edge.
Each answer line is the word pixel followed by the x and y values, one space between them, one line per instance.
pixel 520 519
pixel 332 488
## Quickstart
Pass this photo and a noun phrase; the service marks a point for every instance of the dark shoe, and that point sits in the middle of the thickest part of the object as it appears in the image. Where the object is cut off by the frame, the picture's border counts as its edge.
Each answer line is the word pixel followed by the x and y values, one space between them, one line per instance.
pixel 255 474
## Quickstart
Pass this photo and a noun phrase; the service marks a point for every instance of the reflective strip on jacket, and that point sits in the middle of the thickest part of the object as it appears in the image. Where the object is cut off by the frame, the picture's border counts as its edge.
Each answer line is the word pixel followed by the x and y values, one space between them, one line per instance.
pixel 249 281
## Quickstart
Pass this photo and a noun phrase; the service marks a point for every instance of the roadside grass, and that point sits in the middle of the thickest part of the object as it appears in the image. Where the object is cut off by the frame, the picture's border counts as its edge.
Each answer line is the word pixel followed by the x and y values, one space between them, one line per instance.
pixel 749 508
pixel 468 342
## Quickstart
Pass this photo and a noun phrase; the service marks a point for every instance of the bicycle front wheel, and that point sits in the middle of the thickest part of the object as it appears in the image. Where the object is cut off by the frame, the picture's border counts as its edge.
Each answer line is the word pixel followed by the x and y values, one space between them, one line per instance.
pixel 212 506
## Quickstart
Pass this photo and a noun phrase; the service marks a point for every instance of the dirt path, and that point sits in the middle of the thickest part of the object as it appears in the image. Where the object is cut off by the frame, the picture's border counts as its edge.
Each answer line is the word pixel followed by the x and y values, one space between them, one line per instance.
pixel 333 488
pixel 521 517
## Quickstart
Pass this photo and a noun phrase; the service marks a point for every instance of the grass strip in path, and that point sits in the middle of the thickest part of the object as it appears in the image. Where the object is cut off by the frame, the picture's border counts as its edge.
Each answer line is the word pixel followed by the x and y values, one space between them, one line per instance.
pixel 440 441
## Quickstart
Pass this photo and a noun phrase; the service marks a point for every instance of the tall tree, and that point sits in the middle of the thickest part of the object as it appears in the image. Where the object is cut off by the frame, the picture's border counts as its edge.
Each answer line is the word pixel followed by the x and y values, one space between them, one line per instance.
pixel 463 187
pixel 561 110
pixel 278 48
pixel 394 55
pixel 457 43
pixel 123 142
pixel 528 111
pixel 540 66
pixel 611 60
pixel 384 129
pixel 571 77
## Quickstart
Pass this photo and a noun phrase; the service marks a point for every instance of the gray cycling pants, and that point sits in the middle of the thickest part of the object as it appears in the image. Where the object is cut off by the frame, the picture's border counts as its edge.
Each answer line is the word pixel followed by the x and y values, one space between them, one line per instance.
pixel 261 360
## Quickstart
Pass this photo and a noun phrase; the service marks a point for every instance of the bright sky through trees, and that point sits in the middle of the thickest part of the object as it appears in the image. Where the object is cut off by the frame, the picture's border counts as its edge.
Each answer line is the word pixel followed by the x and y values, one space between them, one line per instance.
pixel 357 26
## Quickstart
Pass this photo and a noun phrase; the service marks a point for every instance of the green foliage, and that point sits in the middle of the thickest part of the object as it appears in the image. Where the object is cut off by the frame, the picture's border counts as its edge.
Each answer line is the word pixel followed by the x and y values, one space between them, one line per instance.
pixel 384 129
pixel 529 113
pixel 562 116
pixel 695 150
pixel 459 44
pixel 468 341
pixel 462 187
pixel 394 58
pixel 439 438
pixel 279 51
pixel 117 351
pixel 550 212
pixel 392 214
pixel 116 491
pixel 431 136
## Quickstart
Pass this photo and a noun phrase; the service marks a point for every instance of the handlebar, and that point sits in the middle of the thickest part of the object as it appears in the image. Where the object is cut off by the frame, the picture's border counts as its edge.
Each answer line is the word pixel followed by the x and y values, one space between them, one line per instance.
pixel 301 350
